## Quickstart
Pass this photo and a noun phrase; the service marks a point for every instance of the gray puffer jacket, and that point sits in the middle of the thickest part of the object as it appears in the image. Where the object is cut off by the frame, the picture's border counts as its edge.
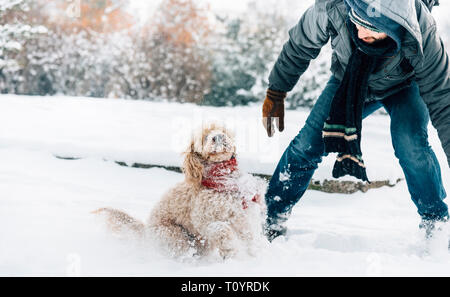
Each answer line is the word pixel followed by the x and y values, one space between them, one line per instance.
pixel 422 58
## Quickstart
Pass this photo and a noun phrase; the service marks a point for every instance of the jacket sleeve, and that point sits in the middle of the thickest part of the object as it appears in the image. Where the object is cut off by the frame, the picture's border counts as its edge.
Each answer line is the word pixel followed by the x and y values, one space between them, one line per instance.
pixel 305 42
pixel 434 83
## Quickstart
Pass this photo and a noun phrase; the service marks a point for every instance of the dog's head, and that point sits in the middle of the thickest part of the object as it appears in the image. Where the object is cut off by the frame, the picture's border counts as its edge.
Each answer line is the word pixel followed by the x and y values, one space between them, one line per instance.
pixel 212 144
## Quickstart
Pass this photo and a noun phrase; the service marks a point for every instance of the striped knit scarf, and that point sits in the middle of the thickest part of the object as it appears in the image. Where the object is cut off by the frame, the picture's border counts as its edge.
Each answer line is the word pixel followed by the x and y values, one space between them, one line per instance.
pixel 342 129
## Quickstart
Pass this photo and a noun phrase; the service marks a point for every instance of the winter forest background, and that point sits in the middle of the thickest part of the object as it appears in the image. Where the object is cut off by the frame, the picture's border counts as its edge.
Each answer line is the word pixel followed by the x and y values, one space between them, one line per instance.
pixel 180 50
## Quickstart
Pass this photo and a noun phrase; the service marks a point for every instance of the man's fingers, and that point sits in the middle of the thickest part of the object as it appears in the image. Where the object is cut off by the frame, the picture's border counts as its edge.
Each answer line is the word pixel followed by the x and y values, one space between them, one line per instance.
pixel 270 127
pixel 280 123
pixel 268 124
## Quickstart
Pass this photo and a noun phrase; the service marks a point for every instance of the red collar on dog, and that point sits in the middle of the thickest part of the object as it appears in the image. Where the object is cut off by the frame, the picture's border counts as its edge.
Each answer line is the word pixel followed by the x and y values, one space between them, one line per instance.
pixel 217 177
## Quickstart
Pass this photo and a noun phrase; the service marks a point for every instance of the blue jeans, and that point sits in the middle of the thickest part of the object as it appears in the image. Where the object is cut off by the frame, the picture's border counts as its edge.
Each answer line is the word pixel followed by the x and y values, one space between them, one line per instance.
pixel 409 121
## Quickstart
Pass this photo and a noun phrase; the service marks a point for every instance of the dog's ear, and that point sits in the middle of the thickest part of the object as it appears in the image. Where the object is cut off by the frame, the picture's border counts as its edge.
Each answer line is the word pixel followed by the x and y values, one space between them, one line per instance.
pixel 192 166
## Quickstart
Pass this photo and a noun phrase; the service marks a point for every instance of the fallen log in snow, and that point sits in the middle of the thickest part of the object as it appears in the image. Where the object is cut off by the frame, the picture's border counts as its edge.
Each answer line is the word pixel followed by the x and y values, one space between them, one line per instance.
pixel 327 186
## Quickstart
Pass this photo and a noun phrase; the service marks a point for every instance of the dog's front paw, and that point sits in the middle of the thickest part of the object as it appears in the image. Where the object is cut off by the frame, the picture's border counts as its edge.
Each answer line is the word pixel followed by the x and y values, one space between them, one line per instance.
pixel 221 237
pixel 227 253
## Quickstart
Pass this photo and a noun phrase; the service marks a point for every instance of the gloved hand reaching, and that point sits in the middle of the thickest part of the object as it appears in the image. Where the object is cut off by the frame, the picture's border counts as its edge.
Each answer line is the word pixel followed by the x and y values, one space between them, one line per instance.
pixel 273 109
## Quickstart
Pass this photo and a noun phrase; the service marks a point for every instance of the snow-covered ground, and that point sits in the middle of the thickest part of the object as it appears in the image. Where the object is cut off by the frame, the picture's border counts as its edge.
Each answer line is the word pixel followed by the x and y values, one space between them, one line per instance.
pixel 46 227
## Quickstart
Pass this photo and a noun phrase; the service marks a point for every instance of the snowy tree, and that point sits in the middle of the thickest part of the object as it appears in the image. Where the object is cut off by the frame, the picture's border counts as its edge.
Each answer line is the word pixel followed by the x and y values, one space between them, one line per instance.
pixel 171 59
pixel 312 82
pixel 102 16
pixel 78 56
pixel 242 56
pixel 15 30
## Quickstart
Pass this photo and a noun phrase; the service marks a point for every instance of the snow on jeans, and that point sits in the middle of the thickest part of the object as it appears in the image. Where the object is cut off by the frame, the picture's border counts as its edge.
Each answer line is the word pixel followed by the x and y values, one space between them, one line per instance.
pixel 409 121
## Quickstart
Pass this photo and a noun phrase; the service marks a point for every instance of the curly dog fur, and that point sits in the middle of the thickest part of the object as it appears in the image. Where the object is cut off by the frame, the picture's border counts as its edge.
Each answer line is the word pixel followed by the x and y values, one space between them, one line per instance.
pixel 194 219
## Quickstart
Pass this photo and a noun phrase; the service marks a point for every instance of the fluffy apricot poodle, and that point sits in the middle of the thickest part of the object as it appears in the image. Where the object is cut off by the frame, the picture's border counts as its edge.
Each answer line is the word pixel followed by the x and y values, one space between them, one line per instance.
pixel 216 210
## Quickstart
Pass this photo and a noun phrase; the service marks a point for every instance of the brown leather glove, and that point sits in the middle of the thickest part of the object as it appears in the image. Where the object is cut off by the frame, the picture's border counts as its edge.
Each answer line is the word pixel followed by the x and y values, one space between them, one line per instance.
pixel 273 108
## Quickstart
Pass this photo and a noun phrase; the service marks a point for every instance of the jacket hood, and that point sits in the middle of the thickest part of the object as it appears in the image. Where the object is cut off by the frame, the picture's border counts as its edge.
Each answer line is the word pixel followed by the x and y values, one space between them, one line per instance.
pixel 403 12
pixel 363 15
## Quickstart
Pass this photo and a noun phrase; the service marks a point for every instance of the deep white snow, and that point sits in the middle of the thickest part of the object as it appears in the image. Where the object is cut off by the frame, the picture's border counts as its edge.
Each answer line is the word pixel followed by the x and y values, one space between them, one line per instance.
pixel 46 227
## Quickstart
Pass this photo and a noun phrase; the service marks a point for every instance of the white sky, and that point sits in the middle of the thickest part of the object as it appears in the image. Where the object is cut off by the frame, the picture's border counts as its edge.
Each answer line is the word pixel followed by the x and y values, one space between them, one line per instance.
pixel 228 5
pixel 144 8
